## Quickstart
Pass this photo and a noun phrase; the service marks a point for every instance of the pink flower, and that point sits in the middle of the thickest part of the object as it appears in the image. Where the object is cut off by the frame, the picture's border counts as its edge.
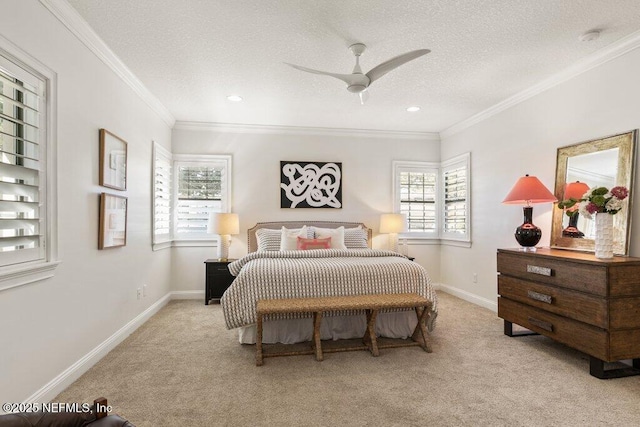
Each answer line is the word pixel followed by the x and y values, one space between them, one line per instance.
pixel 592 208
pixel 619 192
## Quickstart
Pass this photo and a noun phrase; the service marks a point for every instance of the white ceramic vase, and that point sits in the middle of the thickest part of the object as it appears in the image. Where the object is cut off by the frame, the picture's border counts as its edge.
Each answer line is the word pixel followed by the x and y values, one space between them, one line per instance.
pixel 604 235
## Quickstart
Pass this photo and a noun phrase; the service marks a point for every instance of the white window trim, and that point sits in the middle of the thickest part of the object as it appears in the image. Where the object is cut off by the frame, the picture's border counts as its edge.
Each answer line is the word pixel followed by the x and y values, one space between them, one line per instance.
pixel 196 159
pixel 22 274
pixel 438 236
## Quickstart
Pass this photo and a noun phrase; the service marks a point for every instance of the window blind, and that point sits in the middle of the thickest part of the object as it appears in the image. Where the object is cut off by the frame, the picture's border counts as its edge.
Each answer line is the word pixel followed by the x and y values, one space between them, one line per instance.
pixel 162 205
pixel 202 188
pixel 22 212
pixel 455 200
pixel 418 199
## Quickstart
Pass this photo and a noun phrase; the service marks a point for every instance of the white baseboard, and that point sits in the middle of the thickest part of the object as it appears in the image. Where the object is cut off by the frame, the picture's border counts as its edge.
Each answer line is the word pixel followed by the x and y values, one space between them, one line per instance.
pixel 73 372
pixel 467 296
pixel 187 295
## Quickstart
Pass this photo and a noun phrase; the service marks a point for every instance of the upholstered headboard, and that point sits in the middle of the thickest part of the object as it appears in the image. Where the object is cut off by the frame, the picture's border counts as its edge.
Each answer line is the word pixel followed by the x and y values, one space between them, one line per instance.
pixel 252 241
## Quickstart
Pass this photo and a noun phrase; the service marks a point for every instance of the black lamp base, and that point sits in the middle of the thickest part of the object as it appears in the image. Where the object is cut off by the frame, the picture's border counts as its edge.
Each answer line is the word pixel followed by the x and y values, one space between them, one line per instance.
pixel 572 228
pixel 528 235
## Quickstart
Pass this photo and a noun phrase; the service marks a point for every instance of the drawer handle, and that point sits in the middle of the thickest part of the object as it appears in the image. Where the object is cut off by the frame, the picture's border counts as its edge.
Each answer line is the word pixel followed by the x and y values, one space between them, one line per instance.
pixel 222 268
pixel 540 297
pixel 543 271
pixel 541 324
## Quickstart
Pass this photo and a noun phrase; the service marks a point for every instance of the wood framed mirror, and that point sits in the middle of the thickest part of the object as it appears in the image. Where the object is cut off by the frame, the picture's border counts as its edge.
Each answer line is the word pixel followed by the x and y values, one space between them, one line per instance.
pixel 604 162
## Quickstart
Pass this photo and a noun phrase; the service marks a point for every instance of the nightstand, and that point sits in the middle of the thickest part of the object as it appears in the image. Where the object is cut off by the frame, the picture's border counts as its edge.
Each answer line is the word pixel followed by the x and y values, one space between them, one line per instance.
pixel 218 279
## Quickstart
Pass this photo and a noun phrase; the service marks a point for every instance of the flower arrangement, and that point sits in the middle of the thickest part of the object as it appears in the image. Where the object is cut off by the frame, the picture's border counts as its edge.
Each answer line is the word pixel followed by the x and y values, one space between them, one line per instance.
pixel 597 199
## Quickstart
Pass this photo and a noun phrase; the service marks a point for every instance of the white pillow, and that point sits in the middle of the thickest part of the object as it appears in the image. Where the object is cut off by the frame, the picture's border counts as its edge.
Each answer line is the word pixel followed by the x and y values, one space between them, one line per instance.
pixel 336 234
pixel 289 238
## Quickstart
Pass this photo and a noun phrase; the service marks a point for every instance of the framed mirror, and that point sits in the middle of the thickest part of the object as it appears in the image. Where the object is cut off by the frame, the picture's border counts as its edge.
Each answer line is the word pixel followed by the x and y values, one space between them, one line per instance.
pixel 605 162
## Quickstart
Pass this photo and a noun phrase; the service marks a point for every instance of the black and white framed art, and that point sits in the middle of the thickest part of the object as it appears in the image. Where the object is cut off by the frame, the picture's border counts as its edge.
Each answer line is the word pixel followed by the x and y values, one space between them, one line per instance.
pixel 310 184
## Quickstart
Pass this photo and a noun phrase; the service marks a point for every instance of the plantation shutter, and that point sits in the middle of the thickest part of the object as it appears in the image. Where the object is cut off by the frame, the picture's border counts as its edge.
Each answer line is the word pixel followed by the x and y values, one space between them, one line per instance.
pixel 202 188
pixel 162 195
pixel 22 190
pixel 455 200
pixel 418 189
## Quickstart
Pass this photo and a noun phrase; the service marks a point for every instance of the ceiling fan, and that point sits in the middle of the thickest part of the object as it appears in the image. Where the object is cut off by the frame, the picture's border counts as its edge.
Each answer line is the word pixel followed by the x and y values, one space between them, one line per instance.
pixel 357 82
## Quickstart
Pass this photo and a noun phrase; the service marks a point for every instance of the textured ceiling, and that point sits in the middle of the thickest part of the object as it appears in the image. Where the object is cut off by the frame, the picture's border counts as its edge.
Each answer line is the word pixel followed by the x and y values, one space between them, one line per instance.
pixel 191 54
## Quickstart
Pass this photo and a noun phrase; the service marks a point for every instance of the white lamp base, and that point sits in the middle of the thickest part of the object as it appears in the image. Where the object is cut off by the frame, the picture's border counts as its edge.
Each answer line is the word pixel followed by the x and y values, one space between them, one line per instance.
pixel 393 242
pixel 223 246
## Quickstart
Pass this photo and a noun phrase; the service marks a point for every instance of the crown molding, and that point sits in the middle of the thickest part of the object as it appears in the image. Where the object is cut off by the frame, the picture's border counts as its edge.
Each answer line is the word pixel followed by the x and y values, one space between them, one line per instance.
pixel 304 130
pixel 74 22
pixel 602 56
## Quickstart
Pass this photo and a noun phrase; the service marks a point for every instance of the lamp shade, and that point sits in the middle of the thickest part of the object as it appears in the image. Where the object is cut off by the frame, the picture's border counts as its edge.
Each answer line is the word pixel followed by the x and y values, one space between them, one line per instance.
pixel 528 190
pixel 223 223
pixel 393 223
pixel 575 190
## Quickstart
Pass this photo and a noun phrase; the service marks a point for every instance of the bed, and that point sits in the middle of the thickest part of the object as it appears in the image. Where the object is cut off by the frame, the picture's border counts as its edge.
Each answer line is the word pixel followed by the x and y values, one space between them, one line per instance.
pixel 275 268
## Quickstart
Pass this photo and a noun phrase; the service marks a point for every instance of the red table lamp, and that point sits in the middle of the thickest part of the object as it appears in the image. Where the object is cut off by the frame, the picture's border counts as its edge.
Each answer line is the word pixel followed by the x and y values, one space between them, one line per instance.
pixel 527 191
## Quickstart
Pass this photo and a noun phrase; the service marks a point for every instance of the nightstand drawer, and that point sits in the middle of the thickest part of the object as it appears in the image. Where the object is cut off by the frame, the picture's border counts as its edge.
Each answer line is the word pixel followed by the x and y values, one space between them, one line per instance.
pixel 575 305
pixel 218 270
pixel 579 276
pixel 582 337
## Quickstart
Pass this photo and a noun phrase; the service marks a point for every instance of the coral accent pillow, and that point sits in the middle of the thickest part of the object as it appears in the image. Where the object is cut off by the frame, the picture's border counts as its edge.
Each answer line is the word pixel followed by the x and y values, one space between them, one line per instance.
pixel 306 244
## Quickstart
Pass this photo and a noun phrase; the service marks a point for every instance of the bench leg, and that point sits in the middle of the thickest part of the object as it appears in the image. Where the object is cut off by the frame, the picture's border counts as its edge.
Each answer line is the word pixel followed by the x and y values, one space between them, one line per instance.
pixel 420 332
pixel 317 320
pixel 369 338
pixel 259 341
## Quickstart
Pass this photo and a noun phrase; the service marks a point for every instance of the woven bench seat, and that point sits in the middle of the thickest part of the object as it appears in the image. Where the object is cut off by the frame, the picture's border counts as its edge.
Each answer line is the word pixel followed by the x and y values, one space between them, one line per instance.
pixel 371 304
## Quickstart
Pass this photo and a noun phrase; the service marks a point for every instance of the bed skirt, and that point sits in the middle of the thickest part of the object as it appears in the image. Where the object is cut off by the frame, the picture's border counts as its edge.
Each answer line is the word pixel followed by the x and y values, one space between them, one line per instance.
pixel 397 324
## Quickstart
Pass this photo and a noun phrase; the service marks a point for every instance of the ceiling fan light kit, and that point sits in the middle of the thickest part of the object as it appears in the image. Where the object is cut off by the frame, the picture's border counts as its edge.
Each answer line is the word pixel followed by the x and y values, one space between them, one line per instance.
pixel 358 82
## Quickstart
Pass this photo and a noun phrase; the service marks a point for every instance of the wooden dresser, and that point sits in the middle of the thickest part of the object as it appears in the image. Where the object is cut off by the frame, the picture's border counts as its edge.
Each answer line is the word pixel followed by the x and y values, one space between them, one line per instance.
pixel 574 298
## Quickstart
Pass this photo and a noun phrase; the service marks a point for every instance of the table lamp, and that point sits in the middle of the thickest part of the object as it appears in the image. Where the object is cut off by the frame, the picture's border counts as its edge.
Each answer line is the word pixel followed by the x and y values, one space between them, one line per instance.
pixel 528 190
pixel 223 224
pixel 393 224
pixel 575 191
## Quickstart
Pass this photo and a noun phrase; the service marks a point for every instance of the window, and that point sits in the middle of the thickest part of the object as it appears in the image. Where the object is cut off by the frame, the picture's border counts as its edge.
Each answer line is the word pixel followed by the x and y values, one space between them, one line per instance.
pixel 162 199
pixel 187 188
pixel 455 196
pixel 434 197
pixel 416 190
pixel 26 212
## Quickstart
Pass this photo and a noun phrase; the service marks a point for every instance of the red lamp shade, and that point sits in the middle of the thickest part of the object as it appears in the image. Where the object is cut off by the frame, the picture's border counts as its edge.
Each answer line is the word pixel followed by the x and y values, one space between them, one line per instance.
pixel 575 190
pixel 528 190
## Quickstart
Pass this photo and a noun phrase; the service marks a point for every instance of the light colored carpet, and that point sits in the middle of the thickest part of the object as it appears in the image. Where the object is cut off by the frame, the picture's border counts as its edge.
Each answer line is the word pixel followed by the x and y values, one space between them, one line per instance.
pixel 183 368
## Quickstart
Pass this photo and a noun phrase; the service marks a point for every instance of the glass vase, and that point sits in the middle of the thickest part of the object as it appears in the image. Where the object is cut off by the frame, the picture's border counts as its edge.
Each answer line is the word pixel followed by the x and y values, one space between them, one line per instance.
pixel 604 235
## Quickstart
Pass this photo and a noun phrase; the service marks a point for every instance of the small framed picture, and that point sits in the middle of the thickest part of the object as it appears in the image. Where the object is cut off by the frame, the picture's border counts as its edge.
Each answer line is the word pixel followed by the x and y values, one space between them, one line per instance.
pixel 113 221
pixel 113 161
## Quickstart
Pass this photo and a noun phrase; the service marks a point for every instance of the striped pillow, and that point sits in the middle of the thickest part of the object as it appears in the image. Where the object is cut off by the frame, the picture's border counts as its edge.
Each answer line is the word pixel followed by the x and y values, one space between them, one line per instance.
pixel 268 239
pixel 355 238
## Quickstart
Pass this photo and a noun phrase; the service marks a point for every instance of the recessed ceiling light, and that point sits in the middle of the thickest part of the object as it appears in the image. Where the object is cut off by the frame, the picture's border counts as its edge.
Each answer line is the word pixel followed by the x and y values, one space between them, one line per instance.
pixel 589 36
pixel 413 109
pixel 234 98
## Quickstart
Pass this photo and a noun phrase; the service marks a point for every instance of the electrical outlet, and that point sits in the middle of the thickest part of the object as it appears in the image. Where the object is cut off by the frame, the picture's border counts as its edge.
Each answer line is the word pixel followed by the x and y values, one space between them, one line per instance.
pixel 475 277
pixel 144 291
pixel 139 294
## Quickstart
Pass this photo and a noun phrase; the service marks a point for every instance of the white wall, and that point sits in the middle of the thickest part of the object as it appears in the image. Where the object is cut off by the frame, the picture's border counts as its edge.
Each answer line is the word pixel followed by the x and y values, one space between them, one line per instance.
pixel 524 139
pixel 366 184
pixel 49 325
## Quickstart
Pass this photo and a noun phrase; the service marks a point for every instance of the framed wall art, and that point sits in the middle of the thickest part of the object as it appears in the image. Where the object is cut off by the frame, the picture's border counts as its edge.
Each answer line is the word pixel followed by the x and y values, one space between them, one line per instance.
pixel 310 184
pixel 113 221
pixel 113 161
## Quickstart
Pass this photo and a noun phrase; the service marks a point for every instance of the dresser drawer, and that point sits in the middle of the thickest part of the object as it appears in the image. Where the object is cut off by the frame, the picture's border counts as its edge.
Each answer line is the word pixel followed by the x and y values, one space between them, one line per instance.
pixel 572 275
pixel 574 305
pixel 582 337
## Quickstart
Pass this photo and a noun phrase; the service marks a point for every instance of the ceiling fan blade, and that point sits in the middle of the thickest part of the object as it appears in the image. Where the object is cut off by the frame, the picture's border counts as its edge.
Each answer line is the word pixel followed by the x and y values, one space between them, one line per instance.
pixel 349 79
pixel 364 95
pixel 376 72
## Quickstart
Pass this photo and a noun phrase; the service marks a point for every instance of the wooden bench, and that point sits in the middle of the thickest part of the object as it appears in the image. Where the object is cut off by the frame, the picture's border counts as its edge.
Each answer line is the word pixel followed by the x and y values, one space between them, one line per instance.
pixel 371 304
